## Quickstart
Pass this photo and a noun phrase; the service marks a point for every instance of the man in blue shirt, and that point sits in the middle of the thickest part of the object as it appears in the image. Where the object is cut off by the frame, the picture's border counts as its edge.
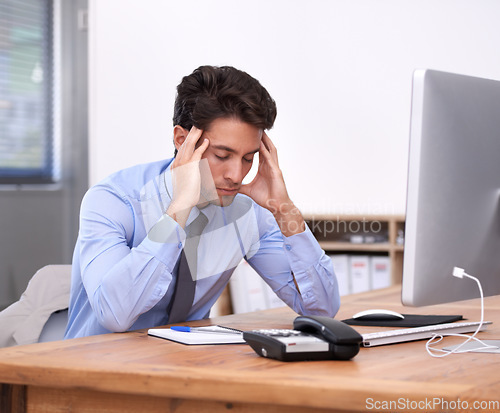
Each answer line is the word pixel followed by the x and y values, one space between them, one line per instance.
pixel 137 240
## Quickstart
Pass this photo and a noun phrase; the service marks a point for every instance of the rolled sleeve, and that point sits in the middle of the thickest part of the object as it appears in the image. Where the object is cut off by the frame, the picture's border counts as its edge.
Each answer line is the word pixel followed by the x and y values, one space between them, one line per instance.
pixel 298 271
pixel 302 249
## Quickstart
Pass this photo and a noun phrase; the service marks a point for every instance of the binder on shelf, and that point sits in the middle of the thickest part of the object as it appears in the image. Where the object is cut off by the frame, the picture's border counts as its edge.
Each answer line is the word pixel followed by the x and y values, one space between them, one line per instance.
pixel 359 273
pixel 380 271
pixel 341 269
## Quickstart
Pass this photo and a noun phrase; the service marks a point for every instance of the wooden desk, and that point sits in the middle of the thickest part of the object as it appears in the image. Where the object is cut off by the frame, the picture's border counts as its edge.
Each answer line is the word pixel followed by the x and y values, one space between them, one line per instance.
pixel 132 372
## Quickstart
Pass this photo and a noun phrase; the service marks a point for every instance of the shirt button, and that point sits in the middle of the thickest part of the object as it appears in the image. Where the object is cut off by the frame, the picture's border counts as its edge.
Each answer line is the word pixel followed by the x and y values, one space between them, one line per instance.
pixel 180 245
pixel 288 247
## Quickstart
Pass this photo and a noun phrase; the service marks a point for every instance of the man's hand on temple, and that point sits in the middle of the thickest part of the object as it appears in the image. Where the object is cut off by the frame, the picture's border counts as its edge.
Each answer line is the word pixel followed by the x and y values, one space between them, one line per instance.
pixel 186 177
pixel 268 189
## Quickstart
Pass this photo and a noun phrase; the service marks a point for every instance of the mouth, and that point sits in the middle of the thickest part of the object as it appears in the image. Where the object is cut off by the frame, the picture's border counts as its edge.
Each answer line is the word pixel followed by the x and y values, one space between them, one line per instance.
pixel 227 191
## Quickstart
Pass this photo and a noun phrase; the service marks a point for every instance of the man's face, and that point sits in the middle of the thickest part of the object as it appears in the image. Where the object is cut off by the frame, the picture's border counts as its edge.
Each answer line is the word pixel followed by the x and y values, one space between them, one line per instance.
pixel 230 154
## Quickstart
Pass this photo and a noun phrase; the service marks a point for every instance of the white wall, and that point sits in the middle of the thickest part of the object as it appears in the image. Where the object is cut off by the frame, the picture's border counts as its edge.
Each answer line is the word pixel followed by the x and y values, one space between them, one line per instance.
pixel 340 71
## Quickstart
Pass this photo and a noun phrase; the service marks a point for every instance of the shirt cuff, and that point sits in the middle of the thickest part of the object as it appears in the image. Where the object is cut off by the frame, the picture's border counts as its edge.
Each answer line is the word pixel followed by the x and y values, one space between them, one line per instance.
pixel 302 249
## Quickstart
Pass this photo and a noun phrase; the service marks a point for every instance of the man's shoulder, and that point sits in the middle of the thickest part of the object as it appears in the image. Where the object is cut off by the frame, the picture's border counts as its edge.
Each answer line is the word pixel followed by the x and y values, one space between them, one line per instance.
pixel 130 181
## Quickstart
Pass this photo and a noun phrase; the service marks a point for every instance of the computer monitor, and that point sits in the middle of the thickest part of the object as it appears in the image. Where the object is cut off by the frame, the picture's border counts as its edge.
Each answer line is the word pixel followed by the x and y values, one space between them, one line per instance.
pixel 453 195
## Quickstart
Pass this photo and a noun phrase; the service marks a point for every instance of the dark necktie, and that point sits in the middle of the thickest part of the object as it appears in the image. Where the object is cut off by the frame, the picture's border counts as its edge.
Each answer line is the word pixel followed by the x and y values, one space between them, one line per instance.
pixel 182 300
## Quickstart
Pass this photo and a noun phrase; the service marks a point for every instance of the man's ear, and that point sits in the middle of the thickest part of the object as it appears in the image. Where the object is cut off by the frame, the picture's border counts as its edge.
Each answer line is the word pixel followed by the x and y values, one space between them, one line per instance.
pixel 180 135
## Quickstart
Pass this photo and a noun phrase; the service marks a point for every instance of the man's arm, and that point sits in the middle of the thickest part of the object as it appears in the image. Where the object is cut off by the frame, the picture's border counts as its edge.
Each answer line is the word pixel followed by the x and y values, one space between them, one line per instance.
pixel 122 281
pixel 296 268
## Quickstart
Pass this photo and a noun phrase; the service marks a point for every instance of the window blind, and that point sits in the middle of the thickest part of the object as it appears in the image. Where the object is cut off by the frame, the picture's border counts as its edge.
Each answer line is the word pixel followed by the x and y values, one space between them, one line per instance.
pixel 26 72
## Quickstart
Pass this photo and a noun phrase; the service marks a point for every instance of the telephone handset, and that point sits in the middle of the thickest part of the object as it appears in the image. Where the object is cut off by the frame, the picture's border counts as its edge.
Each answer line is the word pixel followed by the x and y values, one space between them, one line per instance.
pixel 312 338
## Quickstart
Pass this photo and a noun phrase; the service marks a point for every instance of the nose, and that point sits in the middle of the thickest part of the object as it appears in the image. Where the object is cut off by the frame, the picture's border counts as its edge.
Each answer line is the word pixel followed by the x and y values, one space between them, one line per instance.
pixel 234 172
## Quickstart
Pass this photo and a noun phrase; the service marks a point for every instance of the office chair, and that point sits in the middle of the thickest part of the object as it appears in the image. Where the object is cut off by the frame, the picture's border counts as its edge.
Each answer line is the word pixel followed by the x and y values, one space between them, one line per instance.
pixel 41 312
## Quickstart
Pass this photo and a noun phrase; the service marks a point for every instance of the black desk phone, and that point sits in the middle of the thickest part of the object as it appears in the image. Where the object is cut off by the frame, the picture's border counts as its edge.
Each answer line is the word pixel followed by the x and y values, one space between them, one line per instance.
pixel 312 338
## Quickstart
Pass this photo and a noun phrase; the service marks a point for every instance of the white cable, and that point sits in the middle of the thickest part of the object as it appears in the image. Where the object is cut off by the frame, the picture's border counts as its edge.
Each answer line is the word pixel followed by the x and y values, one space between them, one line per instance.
pixel 436 338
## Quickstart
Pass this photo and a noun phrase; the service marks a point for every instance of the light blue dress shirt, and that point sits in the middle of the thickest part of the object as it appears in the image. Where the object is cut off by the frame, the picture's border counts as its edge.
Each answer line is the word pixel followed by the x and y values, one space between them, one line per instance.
pixel 126 256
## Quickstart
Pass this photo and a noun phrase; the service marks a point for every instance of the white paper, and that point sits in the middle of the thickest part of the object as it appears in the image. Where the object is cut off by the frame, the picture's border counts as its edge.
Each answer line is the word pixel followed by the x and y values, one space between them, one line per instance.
pixel 197 337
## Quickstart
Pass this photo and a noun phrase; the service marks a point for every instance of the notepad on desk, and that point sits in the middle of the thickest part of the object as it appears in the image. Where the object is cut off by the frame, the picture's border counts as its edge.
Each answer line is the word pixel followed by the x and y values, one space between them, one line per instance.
pixel 200 335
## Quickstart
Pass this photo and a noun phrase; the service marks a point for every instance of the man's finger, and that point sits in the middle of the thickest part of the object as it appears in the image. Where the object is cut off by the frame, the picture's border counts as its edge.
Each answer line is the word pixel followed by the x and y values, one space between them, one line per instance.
pixel 264 153
pixel 192 139
pixel 269 145
pixel 198 153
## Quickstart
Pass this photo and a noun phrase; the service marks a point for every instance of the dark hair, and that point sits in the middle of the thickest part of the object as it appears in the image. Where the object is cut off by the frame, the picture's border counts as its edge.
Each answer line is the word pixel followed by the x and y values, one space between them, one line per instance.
pixel 212 92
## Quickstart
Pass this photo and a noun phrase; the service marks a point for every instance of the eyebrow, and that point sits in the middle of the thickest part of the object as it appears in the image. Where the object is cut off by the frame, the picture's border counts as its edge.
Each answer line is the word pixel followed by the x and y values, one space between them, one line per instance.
pixel 231 150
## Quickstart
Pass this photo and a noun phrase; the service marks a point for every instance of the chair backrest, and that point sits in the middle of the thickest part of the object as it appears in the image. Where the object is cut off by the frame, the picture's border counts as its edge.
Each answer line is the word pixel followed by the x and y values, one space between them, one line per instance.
pixel 41 312
pixel 55 327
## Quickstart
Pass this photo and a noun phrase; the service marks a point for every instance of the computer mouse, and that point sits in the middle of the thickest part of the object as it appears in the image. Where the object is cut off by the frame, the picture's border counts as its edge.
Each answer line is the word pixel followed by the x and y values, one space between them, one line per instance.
pixel 378 315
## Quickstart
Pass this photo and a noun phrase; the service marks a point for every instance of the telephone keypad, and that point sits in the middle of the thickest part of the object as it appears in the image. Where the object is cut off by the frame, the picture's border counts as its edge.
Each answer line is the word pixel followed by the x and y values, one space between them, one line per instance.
pixel 312 338
pixel 275 332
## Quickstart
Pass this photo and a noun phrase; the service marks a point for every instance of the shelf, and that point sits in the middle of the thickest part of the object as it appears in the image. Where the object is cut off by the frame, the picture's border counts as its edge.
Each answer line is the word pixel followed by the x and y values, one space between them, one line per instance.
pixel 335 231
pixel 349 246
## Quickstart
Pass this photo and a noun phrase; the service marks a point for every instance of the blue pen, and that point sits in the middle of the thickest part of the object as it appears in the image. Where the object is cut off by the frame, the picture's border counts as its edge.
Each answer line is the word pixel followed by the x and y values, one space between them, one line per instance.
pixel 220 330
